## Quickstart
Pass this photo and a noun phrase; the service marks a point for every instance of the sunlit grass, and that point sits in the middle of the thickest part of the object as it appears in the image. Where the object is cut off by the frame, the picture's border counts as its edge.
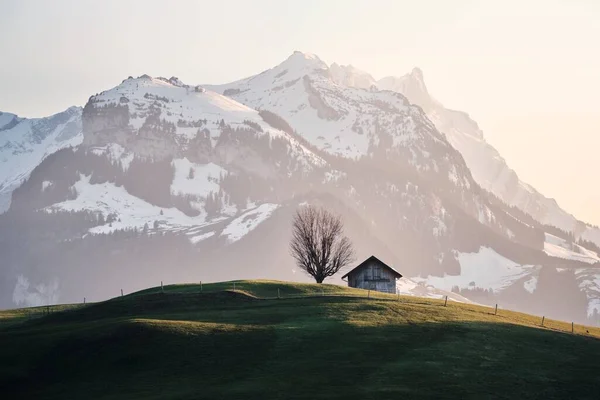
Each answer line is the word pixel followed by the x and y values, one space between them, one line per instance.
pixel 267 339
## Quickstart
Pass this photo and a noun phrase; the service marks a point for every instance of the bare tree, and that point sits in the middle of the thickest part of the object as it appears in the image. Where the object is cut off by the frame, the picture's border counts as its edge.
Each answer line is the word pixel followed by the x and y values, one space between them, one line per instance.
pixel 318 243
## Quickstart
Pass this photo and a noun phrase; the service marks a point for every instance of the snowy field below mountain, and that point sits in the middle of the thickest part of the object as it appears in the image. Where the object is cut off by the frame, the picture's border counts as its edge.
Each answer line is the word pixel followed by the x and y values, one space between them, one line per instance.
pixel 131 212
pixel 484 269
pixel 28 294
pixel 248 221
pixel 409 287
pixel 589 282
pixel 196 179
pixel 558 247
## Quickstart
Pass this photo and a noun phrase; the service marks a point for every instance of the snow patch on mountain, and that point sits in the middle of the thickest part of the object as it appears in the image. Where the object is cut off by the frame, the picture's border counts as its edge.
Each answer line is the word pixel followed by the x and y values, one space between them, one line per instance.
pixel 558 247
pixel 196 179
pixel 589 282
pixel 531 284
pixel 483 269
pixel 248 221
pixel 46 185
pixel 409 287
pixel 115 153
pixel 26 294
pixel 131 212
pixel 333 176
pixel 195 239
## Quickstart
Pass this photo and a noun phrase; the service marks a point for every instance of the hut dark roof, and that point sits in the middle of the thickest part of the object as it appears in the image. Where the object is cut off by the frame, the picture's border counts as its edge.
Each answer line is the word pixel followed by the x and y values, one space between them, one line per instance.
pixel 376 260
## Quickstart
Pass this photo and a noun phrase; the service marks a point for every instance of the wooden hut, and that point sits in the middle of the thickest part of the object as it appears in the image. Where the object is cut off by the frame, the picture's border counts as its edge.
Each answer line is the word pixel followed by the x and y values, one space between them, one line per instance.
pixel 373 274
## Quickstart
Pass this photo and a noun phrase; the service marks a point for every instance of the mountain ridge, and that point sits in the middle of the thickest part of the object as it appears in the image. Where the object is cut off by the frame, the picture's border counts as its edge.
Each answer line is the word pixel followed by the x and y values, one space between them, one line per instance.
pixel 488 167
pixel 25 142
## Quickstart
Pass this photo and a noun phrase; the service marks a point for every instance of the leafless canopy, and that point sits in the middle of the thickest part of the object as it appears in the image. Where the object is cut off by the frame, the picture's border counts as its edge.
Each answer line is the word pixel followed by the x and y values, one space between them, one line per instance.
pixel 318 243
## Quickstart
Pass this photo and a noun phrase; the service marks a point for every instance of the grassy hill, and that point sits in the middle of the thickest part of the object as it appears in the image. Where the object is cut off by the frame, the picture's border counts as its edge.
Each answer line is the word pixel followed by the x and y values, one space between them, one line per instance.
pixel 316 342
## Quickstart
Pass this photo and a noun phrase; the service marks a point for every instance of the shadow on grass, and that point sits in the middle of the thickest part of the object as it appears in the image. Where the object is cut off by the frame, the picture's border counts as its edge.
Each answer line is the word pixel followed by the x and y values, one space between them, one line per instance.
pixel 170 305
pixel 282 350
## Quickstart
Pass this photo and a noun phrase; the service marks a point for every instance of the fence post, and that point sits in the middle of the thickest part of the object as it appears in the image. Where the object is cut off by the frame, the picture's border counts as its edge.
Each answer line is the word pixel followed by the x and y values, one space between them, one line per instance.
pixel 121 292
pixel 543 320
pixel 496 311
pixel 162 289
pixel 84 300
pixel 278 295
pixel 572 327
pixel 446 302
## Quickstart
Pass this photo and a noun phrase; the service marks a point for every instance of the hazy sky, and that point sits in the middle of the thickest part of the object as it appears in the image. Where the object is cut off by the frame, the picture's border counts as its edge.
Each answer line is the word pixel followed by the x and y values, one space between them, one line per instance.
pixel 527 71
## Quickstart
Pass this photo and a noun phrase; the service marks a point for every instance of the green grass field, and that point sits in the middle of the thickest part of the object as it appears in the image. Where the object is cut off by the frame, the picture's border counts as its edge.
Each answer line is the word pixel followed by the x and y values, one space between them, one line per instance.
pixel 316 342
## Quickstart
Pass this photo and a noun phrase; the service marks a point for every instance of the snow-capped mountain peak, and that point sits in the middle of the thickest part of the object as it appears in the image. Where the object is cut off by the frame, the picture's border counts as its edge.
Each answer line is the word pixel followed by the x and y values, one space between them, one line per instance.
pixel 411 85
pixel 417 74
pixel 161 118
pixel 348 75
pixel 175 101
pixel 303 60
pixel 25 142
pixel 8 120
pixel 285 74
pixel 340 119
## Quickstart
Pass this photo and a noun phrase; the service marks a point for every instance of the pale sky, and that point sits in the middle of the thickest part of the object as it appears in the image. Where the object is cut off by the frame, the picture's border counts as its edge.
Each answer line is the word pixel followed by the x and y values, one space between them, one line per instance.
pixel 527 71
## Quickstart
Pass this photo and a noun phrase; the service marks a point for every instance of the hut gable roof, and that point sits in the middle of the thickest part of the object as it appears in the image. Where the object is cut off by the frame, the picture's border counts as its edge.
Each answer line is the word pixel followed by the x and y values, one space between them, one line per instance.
pixel 376 260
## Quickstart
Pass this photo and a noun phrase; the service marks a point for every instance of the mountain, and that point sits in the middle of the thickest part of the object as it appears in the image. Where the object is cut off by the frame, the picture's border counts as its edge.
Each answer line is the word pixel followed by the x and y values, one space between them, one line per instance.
pixel 24 143
pixel 350 76
pixel 488 167
pixel 174 182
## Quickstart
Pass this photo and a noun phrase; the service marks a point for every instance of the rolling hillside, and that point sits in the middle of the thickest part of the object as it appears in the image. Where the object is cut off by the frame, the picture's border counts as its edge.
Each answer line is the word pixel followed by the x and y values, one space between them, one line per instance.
pixel 317 342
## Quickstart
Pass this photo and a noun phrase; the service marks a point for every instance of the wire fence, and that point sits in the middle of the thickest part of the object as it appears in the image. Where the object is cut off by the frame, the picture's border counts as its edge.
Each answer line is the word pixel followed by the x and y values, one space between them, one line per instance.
pixel 273 294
